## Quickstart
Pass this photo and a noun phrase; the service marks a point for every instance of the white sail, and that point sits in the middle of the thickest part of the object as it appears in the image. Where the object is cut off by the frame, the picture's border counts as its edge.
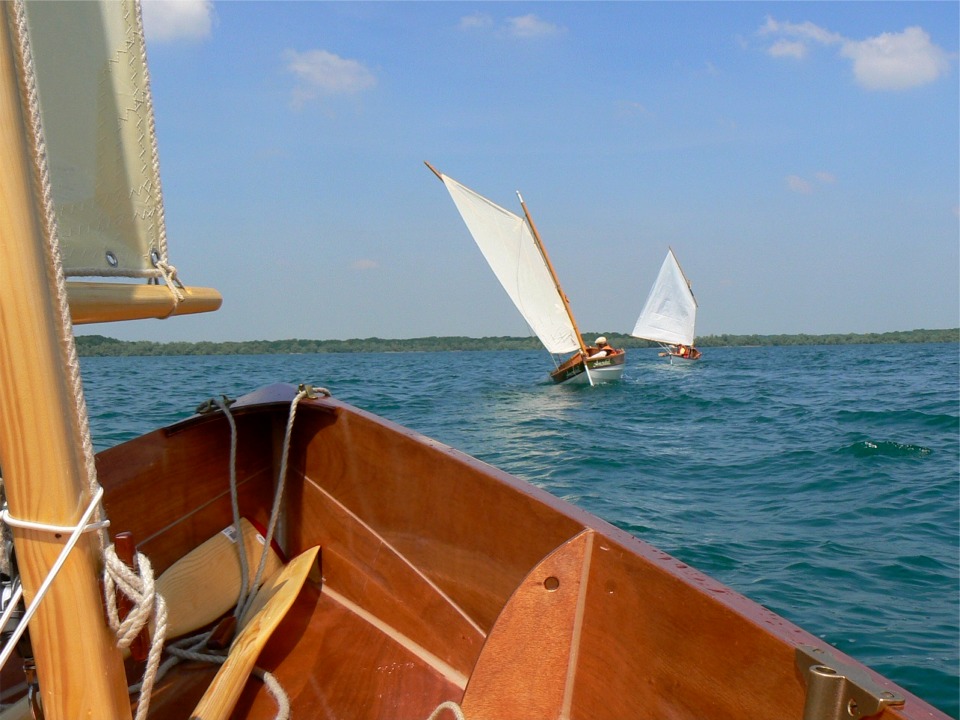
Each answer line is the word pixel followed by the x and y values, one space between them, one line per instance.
pixel 97 119
pixel 508 245
pixel 670 313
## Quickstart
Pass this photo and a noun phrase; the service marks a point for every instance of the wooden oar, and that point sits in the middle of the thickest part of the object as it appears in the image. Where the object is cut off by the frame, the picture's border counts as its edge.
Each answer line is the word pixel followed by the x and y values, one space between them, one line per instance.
pixel 271 605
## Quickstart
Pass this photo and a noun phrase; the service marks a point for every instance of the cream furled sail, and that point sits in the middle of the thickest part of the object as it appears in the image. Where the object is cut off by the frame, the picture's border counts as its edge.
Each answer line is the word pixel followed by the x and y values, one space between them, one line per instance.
pixel 508 245
pixel 670 313
pixel 92 84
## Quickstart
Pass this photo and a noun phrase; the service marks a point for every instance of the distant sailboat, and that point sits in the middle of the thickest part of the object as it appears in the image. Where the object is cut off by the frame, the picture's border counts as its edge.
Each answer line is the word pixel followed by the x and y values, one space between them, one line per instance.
pixel 670 313
pixel 515 252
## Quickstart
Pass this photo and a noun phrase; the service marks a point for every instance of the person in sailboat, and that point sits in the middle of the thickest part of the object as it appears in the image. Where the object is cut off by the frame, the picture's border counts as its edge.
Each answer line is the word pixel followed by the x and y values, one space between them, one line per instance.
pixel 602 348
pixel 687 352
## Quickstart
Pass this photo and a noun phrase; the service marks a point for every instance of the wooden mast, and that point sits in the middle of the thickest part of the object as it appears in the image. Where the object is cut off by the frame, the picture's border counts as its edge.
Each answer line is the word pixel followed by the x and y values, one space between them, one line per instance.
pixel 685 278
pixel 553 274
pixel 79 667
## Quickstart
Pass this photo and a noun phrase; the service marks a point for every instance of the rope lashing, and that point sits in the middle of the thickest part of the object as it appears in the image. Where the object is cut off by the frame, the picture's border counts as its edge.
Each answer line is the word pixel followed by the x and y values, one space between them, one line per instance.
pixel 75 533
pixel 147 606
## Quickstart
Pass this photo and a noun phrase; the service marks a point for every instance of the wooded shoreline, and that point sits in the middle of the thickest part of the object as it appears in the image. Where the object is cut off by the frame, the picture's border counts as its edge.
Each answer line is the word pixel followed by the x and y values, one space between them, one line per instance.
pixel 101 346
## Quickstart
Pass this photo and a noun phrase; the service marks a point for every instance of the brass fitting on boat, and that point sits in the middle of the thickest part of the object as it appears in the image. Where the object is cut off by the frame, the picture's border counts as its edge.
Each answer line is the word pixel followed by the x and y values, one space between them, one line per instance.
pixel 837 690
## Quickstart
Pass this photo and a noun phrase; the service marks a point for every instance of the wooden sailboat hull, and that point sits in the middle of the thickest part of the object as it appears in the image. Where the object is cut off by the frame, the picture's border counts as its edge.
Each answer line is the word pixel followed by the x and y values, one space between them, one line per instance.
pixel 602 369
pixel 444 579
pixel 675 359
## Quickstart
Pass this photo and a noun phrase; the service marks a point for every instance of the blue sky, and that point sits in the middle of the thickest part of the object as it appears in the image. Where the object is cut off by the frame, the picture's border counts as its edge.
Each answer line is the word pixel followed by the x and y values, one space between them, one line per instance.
pixel 801 158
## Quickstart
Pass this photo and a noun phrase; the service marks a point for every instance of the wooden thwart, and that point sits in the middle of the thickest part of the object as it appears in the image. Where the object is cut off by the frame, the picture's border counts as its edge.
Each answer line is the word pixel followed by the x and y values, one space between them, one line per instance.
pixel 271 605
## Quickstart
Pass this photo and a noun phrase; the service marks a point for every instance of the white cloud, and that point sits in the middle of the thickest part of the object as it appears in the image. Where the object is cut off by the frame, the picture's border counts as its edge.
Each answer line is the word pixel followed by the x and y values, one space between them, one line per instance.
pixel 477 21
pixel 890 61
pixel 168 20
pixel 323 73
pixel 798 185
pixel 523 26
pixel 896 61
pixel 788 48
pixel 365 264
pixel 530 26
pixel 804 31
pixel 803 186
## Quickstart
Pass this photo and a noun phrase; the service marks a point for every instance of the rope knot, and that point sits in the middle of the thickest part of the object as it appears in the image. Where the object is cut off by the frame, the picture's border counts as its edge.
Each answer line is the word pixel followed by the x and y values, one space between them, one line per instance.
pixel 138 586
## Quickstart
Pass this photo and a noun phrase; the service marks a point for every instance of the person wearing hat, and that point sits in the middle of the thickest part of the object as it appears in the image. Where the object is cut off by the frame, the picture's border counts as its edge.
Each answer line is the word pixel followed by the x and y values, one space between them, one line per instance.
pixel 603 348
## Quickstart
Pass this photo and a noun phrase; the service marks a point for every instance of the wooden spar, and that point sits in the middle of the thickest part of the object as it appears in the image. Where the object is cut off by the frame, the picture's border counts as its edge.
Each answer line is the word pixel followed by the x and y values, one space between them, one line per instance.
pixel 79 667
pixel 553 274
pixel 92 302
pixel 435 171
pixel 685 278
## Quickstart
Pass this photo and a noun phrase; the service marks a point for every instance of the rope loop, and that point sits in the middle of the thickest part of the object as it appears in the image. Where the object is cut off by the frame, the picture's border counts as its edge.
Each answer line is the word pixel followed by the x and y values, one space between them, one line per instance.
pixel 448 705
pixel 138 585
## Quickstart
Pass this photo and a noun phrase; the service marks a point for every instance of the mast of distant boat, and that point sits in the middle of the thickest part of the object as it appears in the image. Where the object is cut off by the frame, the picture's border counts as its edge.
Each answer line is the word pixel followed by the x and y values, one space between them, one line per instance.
pixel 556 282
pixel 685 278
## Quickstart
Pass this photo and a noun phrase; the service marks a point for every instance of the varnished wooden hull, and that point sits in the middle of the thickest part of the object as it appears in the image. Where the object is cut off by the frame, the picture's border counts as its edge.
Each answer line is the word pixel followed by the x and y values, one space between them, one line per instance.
pixel 446 579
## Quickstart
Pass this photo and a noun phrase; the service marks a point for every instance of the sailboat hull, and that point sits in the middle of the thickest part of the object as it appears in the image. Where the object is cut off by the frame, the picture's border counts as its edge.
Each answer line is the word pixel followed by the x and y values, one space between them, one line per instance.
pixel 426 594
pixel 603 369
pixel 676 359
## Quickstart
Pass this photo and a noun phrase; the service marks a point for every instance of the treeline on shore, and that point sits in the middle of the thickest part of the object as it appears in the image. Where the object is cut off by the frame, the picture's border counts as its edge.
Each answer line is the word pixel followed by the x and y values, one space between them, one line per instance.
pixel 101 346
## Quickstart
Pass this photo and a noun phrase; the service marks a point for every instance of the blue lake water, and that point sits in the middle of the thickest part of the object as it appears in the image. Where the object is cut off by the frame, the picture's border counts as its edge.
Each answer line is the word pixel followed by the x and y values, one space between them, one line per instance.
pixel 822 482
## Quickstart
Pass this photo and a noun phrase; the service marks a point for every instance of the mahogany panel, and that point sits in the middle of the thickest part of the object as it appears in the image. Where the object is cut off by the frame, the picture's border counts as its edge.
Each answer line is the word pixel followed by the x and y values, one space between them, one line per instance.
pixel 334 665
pixel 459 521
pixel 170 488
pixel 684 646
pixel 364 568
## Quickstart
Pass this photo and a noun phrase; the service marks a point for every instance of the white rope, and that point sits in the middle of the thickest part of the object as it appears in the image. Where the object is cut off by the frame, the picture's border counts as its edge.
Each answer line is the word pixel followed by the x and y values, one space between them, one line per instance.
pixel 10 520
pixel 54 264
pixel 448 705
pixel 169 274
pixel 276 690
pixel 278 495
pixel 48 581
pixel 147 606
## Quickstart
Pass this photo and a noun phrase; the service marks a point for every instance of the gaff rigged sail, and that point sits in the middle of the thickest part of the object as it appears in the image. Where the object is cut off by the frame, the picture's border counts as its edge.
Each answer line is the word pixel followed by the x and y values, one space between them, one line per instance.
pixel 507 243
